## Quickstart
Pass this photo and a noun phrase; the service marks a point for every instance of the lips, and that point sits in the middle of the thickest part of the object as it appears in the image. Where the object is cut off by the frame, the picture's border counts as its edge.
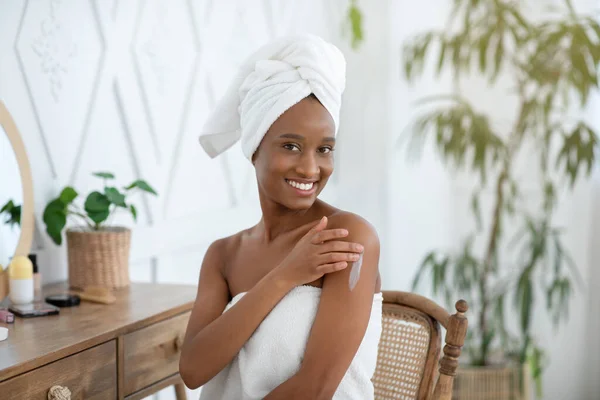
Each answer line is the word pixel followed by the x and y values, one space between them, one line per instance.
pixel 303 188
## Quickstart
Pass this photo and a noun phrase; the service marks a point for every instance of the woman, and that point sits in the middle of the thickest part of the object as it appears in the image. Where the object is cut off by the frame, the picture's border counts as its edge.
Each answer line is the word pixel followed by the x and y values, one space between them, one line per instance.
pixel 289 308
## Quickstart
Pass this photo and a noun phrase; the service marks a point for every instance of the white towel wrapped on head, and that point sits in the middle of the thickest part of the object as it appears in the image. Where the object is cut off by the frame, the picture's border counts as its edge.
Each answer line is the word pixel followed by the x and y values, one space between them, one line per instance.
pixel 274 352
pixel 270 81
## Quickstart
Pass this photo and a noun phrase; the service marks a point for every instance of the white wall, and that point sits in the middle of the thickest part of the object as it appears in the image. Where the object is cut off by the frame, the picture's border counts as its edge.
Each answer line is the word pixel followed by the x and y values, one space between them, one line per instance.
pixel 125 85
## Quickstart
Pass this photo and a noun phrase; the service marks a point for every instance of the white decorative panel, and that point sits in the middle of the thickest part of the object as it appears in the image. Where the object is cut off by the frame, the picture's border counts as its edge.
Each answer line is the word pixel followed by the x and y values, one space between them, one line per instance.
pixel 108 148
pixel 165 52
pixel 197 183
pixel 235 29
pixel 60 50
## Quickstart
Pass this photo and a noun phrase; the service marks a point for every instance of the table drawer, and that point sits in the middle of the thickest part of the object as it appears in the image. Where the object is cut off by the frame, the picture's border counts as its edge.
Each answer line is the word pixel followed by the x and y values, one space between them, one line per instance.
pixel 91 374
pixel 152 353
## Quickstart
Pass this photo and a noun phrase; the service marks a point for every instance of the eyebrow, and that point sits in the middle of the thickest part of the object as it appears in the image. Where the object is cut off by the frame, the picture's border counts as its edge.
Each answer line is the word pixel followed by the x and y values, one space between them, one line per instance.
pixel 295 136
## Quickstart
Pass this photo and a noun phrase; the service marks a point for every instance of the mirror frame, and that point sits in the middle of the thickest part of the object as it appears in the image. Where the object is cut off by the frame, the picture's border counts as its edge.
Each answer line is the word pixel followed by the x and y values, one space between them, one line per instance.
pixel 27 208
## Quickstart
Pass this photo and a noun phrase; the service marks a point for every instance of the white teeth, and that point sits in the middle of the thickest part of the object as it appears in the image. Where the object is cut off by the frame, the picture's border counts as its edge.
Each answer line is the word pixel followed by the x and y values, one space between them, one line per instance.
pixel 301 186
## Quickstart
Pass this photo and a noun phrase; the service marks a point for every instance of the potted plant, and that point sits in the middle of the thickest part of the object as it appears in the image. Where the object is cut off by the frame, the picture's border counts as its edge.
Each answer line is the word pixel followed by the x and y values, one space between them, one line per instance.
pixel 552 63
pixel 98 253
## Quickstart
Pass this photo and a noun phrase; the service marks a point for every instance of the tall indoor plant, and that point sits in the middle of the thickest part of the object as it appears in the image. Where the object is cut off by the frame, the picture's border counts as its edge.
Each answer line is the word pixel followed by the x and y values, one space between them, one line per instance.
pixel 98 251
pixel 552 64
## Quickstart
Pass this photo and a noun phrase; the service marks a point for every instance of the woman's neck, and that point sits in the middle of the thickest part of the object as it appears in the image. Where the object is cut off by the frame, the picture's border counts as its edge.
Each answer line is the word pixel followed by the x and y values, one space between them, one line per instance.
pixel 277 220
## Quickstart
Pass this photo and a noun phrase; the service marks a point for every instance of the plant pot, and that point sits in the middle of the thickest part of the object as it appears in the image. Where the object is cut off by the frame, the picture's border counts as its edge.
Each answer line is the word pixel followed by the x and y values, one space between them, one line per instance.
pixel 99 258
pixel 507 382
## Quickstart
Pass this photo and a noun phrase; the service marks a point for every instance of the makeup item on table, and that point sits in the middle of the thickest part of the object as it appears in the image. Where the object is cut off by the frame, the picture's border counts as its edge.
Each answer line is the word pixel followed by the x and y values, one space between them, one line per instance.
pixel 37 309
pixel 63 300
pixel 20 280
pixel 6 316
pixel 97 294
pixel 3 333
pixel 37 277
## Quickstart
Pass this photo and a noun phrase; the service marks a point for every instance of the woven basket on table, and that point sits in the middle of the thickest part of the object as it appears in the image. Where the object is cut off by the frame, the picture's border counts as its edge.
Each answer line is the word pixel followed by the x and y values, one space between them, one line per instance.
pixel 99 258
pixel 492 383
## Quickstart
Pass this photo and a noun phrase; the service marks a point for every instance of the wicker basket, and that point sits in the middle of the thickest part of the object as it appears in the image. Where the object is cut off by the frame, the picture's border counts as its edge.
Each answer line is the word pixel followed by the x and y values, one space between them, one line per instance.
pixel 492 383
pixel 99 258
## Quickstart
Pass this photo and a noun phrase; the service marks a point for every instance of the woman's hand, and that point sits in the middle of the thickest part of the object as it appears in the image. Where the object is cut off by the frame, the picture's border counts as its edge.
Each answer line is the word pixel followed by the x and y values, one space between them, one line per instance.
pixel 318 253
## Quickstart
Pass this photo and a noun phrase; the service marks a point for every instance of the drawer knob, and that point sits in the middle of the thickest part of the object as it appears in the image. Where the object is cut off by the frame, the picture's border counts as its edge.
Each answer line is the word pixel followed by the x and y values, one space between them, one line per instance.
pixel 59 393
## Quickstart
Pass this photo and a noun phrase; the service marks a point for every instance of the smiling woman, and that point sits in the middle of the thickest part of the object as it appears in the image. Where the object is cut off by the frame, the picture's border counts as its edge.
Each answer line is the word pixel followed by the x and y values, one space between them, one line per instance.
pixel 291 307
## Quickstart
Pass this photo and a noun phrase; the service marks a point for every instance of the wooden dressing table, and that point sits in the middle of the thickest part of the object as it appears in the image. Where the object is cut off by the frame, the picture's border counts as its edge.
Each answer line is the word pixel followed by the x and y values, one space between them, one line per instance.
pixel 125 350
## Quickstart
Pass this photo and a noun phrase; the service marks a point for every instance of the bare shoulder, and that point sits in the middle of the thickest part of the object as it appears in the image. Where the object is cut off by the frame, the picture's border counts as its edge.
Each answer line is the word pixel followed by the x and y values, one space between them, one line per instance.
pixel 360 231
pixel 357 226
pixel 223 249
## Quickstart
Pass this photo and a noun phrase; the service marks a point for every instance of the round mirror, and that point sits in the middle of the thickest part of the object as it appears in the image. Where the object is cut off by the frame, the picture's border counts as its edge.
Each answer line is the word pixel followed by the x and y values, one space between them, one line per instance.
pixel 16 191
pixel 11 199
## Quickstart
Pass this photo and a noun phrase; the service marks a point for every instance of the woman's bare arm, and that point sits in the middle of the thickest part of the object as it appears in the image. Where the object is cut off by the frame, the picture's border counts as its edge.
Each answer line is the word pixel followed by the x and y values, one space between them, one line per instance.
pixel 341 321
pixel 212 338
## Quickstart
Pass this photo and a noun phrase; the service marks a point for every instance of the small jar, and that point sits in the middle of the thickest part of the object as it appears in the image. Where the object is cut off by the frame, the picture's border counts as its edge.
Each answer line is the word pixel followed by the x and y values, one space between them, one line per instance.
pixel 20 280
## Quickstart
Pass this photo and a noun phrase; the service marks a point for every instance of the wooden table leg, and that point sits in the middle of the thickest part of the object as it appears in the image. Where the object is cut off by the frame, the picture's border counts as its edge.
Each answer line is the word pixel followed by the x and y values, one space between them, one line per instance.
pixel 180 391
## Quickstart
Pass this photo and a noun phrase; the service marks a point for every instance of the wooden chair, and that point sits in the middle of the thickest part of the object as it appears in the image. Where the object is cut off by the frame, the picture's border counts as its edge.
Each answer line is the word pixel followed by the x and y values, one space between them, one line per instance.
pixel 409 349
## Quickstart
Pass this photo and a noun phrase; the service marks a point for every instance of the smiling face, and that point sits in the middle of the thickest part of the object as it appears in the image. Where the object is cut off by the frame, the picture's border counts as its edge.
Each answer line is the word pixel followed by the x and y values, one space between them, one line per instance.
pixel 295 158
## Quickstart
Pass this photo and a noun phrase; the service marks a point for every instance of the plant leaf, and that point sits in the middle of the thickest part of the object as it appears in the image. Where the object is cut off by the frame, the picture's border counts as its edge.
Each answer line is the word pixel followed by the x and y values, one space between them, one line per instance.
pixel 476 208
pixel 7 207
pixel 105 175
pixel 428 262
pixel 13 211
pixel 67 195
pixel 133 212
pixel 55 219
pixel 483 50
pixel 356 25
pixel 142 185
pixel 114 196
pixel 99 216
pixel 579 148
pixel 96 202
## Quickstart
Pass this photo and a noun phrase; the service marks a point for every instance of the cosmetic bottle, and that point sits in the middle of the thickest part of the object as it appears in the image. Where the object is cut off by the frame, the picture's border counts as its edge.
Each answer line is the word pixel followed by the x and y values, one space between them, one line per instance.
pixel 37 278
pixel 20 280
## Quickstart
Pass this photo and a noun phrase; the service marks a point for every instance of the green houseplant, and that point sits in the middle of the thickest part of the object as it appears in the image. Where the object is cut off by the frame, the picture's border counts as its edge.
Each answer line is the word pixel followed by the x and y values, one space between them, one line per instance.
pixel 552 65
pixel 98 252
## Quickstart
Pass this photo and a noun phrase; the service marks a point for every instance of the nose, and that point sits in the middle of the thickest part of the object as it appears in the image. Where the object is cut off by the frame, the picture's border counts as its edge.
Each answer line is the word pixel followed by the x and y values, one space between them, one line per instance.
pixel 308 166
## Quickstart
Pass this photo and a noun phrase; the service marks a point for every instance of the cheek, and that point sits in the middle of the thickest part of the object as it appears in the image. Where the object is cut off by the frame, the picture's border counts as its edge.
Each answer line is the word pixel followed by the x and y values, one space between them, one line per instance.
pixel 271 170
pixel 327 167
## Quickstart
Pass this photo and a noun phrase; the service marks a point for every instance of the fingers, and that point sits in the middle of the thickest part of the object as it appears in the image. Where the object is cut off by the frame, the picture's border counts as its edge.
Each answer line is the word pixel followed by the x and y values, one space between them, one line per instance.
pixel 329 234
pixel 338 257
pixel 341 246
pixel 332 267
pixel 322 224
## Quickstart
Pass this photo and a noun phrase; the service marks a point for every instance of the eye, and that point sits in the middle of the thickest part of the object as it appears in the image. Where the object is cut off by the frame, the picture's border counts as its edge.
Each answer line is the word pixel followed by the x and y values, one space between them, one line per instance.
pixel 291 147
pixel 325 149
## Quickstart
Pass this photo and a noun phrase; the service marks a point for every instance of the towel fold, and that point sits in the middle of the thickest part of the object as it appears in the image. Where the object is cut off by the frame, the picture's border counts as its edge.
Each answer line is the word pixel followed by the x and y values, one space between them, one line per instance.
pixel 275 351
pixel 269 82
